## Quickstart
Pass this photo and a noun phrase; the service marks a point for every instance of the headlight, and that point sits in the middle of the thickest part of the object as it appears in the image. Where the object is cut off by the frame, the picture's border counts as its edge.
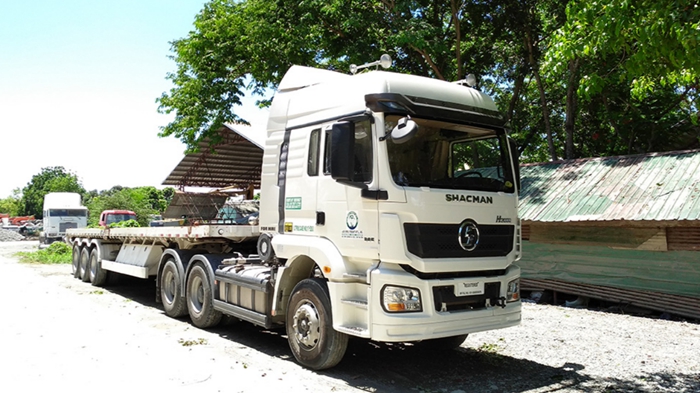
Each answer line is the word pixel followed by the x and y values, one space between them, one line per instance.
pixel 401 299
pixel 513 294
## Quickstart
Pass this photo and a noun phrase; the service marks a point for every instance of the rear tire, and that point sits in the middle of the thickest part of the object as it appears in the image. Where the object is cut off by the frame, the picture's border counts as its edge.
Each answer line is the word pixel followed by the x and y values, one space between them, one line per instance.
pixel 98 276
pixel 171 294
pixel 200 299
pixel 75 267
pixel 312 339
pixel 85 264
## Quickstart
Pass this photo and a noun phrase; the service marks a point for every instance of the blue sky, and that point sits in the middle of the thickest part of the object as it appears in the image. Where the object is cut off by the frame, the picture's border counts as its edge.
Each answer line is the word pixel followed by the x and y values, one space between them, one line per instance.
pixel 78 83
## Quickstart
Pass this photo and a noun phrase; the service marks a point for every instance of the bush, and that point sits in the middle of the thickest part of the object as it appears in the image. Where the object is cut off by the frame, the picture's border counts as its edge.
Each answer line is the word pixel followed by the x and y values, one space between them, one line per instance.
pixel 57 252
pixel 125 224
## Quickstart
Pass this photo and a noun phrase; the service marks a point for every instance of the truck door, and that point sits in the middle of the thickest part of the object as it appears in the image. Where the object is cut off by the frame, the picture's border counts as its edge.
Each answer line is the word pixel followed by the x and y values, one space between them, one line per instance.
pixel 343 216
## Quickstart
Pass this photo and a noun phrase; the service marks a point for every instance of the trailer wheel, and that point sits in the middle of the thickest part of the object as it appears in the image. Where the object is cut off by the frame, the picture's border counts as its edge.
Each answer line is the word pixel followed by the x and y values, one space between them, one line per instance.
pixel 85 264
pixel 171 294
pixel 75 267
pixel 98 276
pixel 200 299
pixel 312 339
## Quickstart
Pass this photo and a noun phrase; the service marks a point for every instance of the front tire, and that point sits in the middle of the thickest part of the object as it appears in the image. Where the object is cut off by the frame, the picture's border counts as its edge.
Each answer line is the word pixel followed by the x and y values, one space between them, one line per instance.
pixel 85 264
pixel 312 339
pixel 171 294
pixel 200 299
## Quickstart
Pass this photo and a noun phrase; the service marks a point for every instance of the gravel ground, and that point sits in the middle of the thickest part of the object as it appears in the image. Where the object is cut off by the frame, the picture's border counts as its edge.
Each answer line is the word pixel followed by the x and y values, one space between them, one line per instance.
pixel 68 333
pixel 7 235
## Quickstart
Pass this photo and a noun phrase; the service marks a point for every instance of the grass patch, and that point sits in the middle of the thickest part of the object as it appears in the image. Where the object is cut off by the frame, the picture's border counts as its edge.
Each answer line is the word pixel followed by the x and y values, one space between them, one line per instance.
pixel 56 253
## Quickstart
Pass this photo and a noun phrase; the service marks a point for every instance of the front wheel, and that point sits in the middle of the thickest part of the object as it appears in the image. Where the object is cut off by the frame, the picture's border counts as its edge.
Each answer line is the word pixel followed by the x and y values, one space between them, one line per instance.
pixel 312 339
pixel 200 299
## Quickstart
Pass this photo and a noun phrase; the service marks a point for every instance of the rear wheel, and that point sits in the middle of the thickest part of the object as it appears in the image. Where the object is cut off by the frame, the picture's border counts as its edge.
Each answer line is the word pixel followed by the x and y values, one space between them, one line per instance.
pixel 171 294
pixel 200 299
pixel 85 264
pixel 75 267
pixel 98 276
pixel 312 339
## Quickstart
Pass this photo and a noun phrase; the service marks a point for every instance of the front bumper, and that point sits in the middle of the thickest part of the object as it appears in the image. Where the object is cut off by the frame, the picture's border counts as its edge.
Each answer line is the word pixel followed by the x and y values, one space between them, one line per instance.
pixel 435 321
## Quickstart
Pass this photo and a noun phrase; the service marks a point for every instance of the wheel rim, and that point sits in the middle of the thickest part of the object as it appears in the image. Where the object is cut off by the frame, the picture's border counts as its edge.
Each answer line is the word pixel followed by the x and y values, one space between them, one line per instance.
pixel 169 287
pixel 197 294
pixel 307 325
pixel 83 264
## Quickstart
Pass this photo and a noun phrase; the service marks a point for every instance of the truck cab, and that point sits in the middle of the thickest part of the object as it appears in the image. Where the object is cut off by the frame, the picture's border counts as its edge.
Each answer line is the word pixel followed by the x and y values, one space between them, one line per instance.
pixel 62 211
pixel 108 217
pixel 403 192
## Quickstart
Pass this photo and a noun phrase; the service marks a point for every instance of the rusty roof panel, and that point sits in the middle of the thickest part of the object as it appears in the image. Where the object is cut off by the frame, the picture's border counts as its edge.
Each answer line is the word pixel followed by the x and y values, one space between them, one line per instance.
pixel 235 161
pixel 653 187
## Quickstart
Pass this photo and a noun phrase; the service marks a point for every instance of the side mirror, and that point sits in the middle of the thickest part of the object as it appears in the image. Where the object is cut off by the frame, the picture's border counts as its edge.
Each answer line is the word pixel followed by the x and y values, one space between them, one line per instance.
pixel 342 148
pixel 515 158
pixel 404 131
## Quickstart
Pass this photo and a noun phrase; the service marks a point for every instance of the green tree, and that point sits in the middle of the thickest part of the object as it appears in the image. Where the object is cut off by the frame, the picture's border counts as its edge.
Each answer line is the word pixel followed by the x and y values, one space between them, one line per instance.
pixel 12 204
pixel 50 179
pixel 143 201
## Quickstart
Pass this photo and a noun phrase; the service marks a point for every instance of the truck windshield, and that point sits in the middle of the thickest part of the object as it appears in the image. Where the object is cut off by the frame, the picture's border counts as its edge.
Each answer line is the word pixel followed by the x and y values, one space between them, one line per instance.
pixel 67 213
pixel 452 156
pixel 112 218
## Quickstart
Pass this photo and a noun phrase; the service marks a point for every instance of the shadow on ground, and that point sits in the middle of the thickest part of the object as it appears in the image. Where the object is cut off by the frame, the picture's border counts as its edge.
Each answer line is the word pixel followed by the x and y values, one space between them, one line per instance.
pixel 382 367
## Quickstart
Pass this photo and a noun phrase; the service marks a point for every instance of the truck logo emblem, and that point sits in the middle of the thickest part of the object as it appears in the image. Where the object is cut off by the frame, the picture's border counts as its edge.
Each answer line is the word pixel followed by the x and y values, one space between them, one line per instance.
pixel 352 220
pixel 468 235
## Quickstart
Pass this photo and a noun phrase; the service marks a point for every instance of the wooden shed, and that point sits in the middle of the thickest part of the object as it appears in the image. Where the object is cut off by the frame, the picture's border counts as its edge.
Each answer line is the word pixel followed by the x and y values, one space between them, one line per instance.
pixel 624 229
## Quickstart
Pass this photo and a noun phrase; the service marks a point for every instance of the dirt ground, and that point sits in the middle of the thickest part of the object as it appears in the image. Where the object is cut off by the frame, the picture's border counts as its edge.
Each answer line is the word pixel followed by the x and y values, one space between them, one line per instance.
pixel 60 333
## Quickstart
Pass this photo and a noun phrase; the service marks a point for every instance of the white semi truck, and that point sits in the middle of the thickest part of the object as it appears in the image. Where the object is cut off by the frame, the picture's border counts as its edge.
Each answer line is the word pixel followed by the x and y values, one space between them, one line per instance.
pixel 388 212
pixel 62 211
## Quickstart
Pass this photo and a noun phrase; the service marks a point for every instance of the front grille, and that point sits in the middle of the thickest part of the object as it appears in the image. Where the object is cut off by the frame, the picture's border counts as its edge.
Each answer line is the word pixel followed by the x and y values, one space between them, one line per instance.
pixel 445 299
pixel 66 225
pixel 442 241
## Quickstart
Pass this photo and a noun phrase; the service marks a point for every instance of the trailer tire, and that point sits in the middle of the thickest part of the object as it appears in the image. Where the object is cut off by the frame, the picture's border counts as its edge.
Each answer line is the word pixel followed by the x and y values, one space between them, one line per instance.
pixel 98 276
pixel 312 339
pixel 171 294
pixel 75 267
pixel 200 299
pixel 85 264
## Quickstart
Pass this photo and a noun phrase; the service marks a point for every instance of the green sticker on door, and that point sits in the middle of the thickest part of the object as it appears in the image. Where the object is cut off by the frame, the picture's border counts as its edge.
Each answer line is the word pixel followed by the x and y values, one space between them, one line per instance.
pixel 292 203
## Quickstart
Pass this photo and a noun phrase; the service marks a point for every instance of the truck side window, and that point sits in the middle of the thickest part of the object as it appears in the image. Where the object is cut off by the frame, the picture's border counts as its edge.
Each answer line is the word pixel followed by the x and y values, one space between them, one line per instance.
pixel 327 153
pixel 362 154
pixel 314 149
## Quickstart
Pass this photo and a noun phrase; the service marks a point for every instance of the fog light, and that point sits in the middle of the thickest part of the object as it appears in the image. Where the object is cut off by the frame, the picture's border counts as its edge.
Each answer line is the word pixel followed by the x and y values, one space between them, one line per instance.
pixel 513 294
pixel 401 299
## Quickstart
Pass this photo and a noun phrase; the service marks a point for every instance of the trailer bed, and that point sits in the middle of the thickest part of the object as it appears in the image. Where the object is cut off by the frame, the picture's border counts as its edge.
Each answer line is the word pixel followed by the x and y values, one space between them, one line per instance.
pixel 236 233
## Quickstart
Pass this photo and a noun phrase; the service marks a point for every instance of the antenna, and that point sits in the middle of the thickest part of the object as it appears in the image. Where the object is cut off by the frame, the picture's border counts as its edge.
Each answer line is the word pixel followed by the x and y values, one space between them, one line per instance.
pixel 384 61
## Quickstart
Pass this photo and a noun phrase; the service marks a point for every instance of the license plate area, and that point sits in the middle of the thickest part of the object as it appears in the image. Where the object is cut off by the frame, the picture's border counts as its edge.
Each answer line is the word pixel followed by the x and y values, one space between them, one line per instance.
pixel 445 300
pixel 468 288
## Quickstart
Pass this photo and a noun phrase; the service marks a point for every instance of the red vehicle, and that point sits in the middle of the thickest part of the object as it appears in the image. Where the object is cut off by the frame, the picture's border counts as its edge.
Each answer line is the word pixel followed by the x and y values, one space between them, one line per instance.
pixel 112 216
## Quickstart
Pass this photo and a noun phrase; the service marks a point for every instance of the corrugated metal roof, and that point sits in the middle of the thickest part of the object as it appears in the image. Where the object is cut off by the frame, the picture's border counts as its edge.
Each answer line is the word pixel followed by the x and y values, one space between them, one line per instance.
pixel 235 161
pixel 645 187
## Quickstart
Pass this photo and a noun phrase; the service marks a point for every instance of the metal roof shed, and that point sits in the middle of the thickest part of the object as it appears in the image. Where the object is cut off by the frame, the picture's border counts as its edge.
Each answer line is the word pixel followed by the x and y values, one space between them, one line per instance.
pixel 629 222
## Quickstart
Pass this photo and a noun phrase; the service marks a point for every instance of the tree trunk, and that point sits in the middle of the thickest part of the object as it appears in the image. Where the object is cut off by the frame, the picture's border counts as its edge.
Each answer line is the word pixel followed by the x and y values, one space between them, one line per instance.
pixel 571 101
pixel 543 98
pixel 517 87
pixel 458 42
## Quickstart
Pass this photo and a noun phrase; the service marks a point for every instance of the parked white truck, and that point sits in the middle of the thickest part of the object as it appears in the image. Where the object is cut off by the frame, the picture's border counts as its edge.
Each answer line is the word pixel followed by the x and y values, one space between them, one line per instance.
pixel 388 211
pixel 62 211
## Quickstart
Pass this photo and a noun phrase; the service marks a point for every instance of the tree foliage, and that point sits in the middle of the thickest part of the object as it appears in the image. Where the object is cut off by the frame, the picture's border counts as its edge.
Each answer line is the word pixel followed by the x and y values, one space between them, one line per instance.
pixel 50 179
pixel 144 201
pixel 12 204
pixel 574 78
